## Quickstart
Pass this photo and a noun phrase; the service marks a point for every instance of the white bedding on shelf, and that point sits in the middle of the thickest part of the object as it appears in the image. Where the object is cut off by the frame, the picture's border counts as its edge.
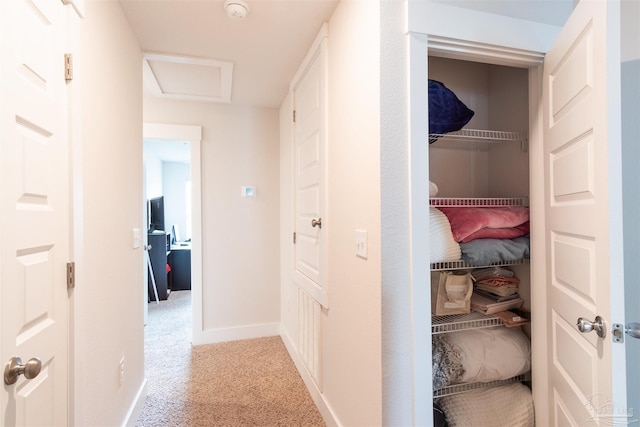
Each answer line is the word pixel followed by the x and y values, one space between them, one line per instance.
pixel 492 354
pixel 442 245
pixel 504 406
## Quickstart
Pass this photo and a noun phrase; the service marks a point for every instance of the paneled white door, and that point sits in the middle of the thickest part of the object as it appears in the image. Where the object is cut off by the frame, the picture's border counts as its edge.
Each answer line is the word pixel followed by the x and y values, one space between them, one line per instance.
pixel 309 175
pixel 583 235
pixel 34 220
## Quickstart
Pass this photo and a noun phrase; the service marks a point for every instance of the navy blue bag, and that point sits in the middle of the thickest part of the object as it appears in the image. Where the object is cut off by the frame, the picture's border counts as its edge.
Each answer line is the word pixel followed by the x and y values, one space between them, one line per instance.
pixel 446 112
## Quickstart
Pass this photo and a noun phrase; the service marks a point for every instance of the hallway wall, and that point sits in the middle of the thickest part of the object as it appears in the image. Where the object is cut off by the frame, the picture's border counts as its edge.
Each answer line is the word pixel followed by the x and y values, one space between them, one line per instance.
pixel 107 320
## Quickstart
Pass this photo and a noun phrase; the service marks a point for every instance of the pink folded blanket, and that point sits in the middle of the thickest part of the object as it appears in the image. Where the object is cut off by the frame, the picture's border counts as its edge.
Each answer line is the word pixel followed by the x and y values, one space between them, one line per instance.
pixel 469 223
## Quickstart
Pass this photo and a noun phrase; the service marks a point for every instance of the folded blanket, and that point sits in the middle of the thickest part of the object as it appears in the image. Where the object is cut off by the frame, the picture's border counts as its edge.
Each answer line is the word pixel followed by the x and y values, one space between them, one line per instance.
pixel 504 406
pixel 469 223
pixel 442 246
pixel 489 251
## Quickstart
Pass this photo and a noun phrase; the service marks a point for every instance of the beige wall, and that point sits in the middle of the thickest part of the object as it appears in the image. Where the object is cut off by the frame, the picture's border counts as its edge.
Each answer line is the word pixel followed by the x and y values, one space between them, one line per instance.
pixel 351 328
pixel 239 235
pixel 351 341
pixel 107 318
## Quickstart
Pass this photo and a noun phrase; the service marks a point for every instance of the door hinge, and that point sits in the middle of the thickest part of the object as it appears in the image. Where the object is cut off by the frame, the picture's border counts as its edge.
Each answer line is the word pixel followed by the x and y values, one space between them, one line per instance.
pixel 294 237
pixel 68 67
pixel 71 275
pixel 294 116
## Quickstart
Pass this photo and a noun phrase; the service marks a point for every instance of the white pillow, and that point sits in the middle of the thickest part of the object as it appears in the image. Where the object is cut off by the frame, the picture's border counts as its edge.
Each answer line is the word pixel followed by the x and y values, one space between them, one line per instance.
pixel 433 189
pixel 442 246
pixel 492 354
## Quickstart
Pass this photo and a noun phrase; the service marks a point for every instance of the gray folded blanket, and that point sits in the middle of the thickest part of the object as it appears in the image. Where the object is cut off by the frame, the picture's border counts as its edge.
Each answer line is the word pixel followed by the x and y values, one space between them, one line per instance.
pixel 489 251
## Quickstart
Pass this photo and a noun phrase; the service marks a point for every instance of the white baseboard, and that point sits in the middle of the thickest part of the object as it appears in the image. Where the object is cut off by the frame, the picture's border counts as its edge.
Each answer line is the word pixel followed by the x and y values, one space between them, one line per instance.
pixel 211 336
pixel 318 398
pixel 136 406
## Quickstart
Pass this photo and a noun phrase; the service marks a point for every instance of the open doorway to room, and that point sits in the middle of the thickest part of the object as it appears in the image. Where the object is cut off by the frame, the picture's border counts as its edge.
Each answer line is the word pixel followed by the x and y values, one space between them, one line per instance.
pixel 167 166
pixel 172 215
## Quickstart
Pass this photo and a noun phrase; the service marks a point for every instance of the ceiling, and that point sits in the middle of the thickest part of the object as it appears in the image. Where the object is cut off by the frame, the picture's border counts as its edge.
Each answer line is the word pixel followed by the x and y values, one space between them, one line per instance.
pixel 193 50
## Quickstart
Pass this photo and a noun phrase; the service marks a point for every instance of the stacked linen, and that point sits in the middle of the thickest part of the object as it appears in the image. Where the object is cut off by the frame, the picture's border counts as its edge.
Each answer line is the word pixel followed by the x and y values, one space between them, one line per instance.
pixel 489 235
pixel 496 290
pixel 497 281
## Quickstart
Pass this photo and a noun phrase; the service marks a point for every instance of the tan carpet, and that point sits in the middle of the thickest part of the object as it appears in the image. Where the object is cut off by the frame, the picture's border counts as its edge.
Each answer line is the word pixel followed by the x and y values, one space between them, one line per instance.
pixel 241 383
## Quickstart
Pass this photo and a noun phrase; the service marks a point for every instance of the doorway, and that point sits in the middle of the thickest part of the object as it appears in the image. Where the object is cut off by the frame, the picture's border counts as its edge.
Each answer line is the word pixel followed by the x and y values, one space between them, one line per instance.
pixel 179 137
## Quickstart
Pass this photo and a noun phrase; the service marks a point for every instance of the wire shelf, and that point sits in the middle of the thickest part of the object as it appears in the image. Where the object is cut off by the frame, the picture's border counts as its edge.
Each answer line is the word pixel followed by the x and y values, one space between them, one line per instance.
pixel 481 135
pixel 461 388
pixel 478 202
pixel 461 322
pixel 462 265
pixel 476 139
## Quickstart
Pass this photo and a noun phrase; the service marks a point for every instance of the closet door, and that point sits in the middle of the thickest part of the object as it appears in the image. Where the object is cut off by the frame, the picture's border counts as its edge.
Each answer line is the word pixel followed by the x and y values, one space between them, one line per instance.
pixel 583 231
pixel 310 241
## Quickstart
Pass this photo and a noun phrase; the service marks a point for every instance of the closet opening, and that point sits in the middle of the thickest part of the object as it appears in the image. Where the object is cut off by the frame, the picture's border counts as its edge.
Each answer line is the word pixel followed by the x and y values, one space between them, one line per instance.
pixel 479 179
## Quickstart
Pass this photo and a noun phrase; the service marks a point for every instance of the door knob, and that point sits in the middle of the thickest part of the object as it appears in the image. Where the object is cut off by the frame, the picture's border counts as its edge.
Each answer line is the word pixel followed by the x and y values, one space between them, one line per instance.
pixel 316 222
pixel 597 325
pixel 14 368
pixel 632 329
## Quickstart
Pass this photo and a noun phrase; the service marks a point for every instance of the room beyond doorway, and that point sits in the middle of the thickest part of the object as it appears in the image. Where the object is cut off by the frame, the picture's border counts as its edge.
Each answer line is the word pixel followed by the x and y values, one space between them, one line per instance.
pixel 187 139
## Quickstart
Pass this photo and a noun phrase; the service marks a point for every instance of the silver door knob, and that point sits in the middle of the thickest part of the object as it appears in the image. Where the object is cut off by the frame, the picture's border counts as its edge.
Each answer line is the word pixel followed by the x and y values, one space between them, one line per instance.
pixel 14 368
pixel 597 325
pixel 632 329
pixel 316 222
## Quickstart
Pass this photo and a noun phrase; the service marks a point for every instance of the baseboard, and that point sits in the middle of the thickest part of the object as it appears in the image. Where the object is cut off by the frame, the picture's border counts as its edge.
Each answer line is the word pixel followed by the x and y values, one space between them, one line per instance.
pixel 211 336
pixel 318 398
pixel 136 406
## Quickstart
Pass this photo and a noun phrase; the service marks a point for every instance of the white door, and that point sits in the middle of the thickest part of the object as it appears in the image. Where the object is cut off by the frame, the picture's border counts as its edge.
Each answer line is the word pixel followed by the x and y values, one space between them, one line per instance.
pixel 581 110
pixel 34 219
pixel 309 176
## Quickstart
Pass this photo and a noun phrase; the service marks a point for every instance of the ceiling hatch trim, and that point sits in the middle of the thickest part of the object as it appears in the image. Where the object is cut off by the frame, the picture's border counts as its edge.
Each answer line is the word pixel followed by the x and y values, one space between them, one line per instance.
pixel 207 80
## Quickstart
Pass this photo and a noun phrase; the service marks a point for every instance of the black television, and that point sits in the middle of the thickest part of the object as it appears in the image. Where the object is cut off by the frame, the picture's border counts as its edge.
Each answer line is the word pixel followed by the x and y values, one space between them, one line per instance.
pixel 155 208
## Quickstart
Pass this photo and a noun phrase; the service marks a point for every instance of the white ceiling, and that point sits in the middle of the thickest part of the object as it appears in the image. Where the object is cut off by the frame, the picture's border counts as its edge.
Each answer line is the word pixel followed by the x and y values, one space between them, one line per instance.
pixel 199 40
pixel 192 50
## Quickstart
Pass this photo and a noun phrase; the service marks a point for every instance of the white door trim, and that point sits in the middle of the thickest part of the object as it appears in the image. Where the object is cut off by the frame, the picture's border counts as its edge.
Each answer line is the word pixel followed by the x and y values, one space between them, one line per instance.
pixel 192 134
pixel 420 46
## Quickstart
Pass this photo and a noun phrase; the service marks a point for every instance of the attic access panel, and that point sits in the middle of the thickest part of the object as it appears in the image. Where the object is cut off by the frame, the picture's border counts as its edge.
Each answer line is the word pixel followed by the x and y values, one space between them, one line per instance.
pixel 188 78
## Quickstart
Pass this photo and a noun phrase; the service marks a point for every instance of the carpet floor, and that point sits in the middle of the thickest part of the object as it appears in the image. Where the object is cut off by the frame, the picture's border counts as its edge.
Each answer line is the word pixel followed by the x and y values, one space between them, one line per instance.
pixel 240 383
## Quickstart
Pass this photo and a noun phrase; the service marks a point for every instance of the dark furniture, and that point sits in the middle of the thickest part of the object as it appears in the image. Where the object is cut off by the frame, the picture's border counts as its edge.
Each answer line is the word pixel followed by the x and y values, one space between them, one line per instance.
pixel 181 267
pixel 160 255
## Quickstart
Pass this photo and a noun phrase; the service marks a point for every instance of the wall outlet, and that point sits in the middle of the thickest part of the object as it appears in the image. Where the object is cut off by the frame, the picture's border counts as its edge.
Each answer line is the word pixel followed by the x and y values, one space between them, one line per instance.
pixel 121 370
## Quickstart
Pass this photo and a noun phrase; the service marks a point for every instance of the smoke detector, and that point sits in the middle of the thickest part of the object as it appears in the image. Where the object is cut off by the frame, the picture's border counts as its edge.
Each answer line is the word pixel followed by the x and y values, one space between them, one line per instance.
pixel 236 9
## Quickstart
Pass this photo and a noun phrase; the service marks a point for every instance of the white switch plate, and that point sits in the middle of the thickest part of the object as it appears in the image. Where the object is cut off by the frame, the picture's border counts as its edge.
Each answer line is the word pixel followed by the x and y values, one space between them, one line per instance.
pixel 361 243
pixel 137 238
pixel 121 370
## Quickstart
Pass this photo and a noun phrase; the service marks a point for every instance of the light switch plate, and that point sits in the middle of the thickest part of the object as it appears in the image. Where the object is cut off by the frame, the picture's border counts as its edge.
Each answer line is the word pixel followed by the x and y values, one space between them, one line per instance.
pixel 361 243
pixel 137 238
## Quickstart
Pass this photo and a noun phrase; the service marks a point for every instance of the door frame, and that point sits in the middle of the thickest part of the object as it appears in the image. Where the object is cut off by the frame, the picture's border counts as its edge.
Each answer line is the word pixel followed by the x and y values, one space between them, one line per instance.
pixel 193 135
pixel 430 33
